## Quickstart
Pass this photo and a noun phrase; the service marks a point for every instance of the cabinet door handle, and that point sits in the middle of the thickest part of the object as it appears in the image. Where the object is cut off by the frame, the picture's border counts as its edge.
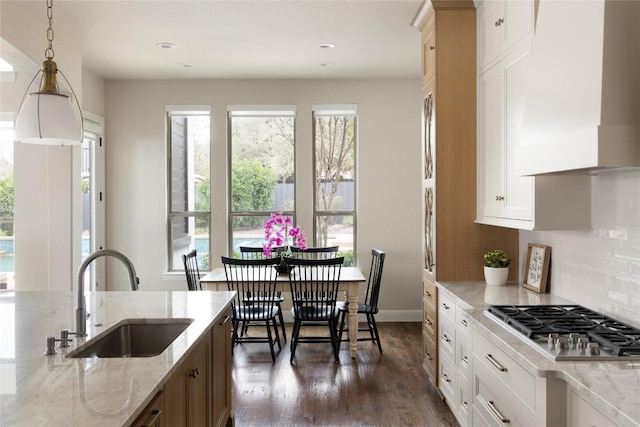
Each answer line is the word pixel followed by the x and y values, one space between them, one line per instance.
pixel 446 378
pixel 226 319
pixel 194 373
pixel 499 22
pixel 428 356
pixel 445 338
pixel 445 306
pixel 496 412
pixel 495 363
pixel 428 322
pixel 464 323
pixel 499 198
pixel 465 360
pixel 427 293
pixel 155 414
pixel 432 47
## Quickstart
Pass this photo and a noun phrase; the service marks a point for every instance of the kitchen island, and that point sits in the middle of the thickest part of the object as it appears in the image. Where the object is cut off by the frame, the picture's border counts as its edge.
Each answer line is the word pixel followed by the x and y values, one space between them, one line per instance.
pixel 564 392
pixel 57 390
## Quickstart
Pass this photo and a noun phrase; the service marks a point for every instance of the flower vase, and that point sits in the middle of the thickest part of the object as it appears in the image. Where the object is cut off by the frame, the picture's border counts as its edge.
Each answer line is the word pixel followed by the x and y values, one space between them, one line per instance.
pixel 284 269
pixel 496 276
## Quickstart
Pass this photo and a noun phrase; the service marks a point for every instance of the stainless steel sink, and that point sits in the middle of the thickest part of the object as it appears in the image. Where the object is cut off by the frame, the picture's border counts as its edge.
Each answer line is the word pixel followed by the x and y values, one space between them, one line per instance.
pixel 133 338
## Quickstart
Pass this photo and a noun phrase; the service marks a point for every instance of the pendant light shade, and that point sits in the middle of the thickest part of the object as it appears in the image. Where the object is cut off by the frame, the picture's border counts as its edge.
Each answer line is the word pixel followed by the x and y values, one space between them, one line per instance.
pixel 49 116
pixel 49 119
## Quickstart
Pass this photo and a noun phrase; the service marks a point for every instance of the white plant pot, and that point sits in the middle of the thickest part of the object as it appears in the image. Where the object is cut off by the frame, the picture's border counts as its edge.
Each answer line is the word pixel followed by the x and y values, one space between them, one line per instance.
pixel 496 276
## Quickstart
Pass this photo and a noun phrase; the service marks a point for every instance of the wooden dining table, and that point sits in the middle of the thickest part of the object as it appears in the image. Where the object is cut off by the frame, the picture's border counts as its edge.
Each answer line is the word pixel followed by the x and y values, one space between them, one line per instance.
pixel 350 280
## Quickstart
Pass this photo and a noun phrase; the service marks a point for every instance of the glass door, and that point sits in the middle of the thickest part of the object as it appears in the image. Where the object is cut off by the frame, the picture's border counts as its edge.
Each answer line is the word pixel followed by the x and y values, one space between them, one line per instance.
pixel 91 202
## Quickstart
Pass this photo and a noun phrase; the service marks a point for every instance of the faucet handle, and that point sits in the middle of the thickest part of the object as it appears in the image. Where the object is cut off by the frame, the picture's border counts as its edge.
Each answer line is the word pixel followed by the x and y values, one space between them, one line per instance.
pixel 51 345
pixel 64 338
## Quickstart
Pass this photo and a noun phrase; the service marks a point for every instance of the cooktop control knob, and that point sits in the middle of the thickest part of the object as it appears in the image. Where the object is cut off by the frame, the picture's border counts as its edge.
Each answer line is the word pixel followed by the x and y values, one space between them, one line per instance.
pixel 552 340
pixel 593 349
pixel 582 344
pixel 563 344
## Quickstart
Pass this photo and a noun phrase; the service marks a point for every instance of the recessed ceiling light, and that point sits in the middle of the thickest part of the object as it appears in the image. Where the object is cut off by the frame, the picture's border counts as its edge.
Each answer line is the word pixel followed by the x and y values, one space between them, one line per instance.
pixel 186 64
pixel 326 64
pixel 326 45
pixel 165 45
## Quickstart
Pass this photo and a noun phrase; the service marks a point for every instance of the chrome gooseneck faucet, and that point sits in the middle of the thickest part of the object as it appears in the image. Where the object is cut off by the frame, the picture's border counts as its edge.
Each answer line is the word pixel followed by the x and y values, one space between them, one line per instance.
pixel 81 311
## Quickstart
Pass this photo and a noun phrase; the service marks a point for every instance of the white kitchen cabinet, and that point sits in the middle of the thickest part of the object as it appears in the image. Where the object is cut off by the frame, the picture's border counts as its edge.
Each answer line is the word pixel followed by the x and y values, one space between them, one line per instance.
pixel 454 358
pixel 501 25
pixel 502 194
pixel 581 413
pixel 504 198
pixel 504 392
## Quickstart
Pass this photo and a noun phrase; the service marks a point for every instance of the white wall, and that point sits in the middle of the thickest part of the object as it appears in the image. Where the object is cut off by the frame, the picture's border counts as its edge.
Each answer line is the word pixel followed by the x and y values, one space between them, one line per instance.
pixel 389 205
pixel 599 269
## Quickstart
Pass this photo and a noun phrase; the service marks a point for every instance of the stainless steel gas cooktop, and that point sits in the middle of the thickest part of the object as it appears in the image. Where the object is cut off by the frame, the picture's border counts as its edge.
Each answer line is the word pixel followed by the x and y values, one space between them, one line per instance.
pixel 569 332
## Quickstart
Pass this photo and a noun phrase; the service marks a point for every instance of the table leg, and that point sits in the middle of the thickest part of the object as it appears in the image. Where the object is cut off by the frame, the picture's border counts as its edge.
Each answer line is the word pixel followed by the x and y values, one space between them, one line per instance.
pixel 352 298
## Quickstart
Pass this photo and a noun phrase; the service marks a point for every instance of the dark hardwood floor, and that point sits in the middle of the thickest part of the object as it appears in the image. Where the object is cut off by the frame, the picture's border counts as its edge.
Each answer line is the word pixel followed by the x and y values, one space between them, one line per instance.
pixel 390 389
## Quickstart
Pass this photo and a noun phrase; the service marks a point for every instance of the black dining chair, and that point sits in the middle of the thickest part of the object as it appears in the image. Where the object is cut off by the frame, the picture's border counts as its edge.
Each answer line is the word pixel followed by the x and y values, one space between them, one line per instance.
pixel 191 270
pixel 254 281
pixel 324 252
pixel 369 307
pixel 314 292
pixel 255 252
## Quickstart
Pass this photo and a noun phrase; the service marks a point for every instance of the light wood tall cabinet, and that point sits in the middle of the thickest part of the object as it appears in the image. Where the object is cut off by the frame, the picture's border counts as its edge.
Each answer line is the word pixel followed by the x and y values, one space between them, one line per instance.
pixel 453 242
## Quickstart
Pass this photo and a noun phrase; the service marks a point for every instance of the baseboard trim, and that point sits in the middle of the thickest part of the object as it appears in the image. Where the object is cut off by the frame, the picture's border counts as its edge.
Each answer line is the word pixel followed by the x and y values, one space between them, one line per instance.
pixel 383 316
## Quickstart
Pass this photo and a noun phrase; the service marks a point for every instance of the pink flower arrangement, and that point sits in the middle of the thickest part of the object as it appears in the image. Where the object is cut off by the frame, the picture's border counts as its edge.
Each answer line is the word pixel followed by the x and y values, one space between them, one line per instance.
pixel 277 231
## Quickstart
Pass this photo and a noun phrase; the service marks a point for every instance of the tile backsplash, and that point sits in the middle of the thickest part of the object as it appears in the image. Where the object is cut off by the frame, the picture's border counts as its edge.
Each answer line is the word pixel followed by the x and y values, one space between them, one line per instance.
pixel 599 268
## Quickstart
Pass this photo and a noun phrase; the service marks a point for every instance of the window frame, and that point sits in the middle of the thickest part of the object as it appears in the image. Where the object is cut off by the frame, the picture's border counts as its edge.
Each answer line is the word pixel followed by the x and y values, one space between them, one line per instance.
pixel 255 111
pixel 172 111
pixel 336 110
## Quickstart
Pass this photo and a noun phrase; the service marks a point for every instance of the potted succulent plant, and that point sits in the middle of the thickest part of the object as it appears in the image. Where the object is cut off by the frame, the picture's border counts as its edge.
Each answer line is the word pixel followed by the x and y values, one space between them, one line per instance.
pixel 496 267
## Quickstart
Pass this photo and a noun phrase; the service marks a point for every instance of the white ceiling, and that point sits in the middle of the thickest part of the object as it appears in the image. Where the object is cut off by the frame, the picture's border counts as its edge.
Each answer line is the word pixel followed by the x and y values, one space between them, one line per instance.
pixel 237 38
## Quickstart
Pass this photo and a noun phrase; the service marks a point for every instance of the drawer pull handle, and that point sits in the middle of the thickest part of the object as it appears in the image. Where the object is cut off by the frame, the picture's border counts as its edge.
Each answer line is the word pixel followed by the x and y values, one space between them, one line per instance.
pixel 465 360
pixel 445 306
pixel 155 414
pixel 445 338
pixel 446 378
pixel 464 323
pixel 495 363
pixel 497 413
pixel 428 356
pixel 428 322
pixel 427 293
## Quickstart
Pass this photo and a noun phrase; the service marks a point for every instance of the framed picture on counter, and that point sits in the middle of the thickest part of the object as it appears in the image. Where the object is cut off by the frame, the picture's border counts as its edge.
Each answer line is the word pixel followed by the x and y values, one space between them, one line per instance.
pixel 536 267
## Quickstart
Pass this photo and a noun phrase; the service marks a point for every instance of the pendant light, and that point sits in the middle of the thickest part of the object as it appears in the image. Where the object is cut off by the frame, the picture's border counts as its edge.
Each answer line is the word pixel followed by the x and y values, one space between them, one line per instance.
pixel 49 116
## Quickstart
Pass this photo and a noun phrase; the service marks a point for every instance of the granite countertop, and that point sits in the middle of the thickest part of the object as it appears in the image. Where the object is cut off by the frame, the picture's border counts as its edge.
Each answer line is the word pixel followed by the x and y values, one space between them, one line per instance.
pixel 612 386
pixel 55 390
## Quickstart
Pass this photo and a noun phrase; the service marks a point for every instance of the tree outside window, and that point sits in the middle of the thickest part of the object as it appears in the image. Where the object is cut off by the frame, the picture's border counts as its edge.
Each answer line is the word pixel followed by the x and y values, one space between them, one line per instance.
pixel 262 170
pixel 334 143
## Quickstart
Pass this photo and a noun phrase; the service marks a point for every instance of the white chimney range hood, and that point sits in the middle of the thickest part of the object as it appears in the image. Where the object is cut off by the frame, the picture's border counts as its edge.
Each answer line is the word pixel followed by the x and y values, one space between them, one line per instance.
pixel 582 110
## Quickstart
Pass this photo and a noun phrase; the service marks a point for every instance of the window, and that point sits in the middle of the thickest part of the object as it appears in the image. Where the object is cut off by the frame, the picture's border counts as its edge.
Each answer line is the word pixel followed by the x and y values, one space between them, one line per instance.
pixel 189 175
pixel 7 264
pixel 262 181
pixel 334 129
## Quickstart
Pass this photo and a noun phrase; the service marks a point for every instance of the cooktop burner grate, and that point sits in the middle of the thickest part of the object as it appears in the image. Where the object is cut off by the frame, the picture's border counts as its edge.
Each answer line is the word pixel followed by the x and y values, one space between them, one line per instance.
pixel 538 322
